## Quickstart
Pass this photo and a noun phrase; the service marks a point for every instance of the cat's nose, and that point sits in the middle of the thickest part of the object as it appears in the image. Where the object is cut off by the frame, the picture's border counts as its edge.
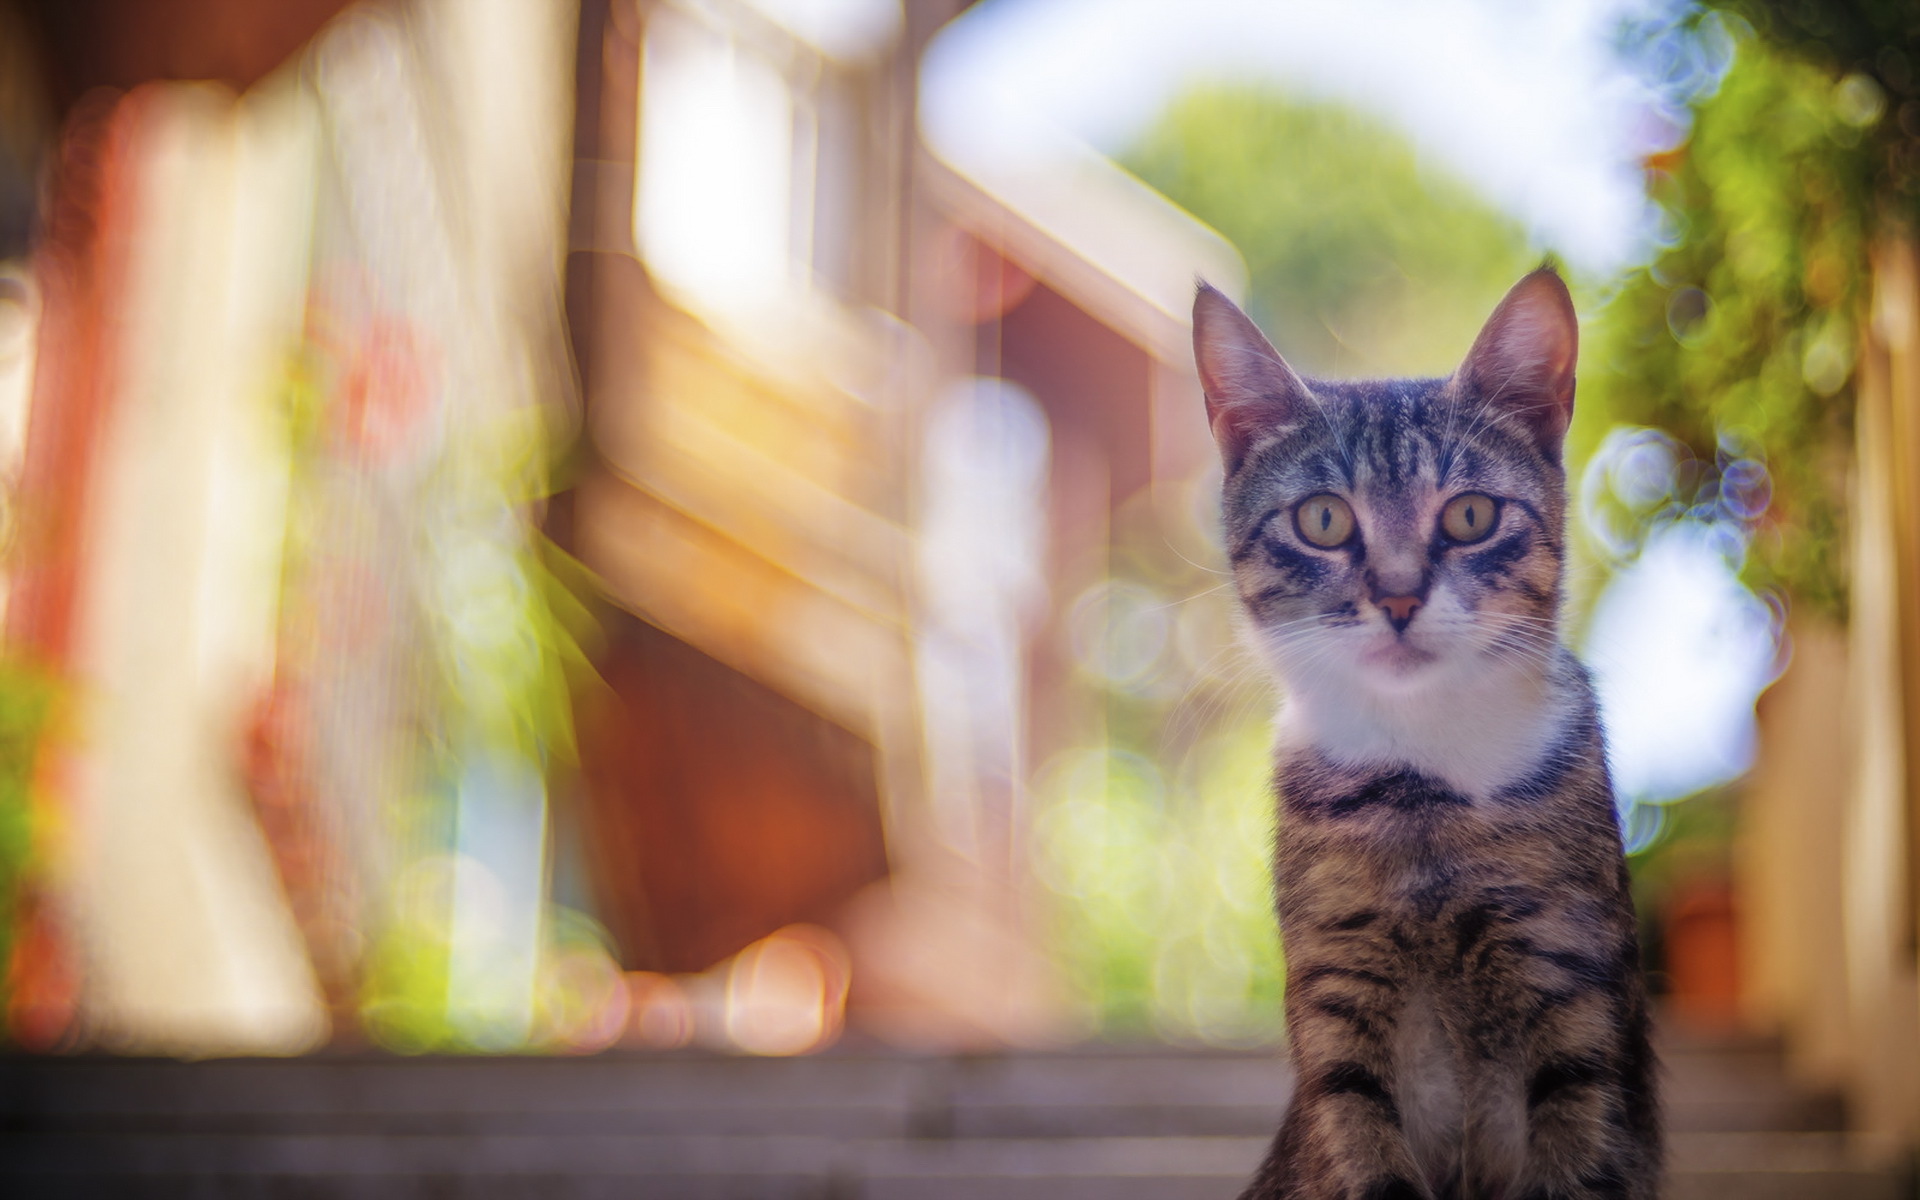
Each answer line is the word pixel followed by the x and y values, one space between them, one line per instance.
pixel 1399 610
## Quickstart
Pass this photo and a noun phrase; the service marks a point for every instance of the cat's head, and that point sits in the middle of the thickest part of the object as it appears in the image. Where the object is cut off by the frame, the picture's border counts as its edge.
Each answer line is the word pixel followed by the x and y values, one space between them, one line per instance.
pixel 1397 533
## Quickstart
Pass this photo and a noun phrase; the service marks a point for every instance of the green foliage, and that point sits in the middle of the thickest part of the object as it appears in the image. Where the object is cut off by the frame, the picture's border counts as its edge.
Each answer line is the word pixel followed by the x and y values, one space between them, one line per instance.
pixel 26 705
pixel 1154 829
pixel 407 971
pixel 1741 335
pixel 1363 259
pixel 1167 925
pixel 1877 41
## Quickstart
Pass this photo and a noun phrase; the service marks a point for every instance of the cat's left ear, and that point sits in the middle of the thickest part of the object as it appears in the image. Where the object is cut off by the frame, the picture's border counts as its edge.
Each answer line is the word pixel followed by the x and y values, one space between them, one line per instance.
pixel 1523 359
pixel 1250 390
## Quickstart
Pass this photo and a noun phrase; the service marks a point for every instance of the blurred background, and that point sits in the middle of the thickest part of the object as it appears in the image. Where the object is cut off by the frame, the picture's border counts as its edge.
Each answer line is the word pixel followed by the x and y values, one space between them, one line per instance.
pixel 651 526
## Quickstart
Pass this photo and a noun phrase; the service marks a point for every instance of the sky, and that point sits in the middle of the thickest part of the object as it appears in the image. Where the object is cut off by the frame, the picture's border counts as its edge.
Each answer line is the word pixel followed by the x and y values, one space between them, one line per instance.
pixel 1527 101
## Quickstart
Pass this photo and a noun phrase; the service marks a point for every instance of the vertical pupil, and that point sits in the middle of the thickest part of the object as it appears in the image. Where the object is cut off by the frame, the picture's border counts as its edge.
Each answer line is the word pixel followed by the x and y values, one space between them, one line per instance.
pixel 1473 515
pixel 1326 517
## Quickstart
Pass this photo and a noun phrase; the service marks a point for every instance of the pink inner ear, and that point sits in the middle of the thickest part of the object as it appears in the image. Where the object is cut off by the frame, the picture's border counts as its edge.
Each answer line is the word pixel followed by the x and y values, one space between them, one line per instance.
pixel 1248 387
pixel 1541 335
pixel 1524 358
pixel 1213 356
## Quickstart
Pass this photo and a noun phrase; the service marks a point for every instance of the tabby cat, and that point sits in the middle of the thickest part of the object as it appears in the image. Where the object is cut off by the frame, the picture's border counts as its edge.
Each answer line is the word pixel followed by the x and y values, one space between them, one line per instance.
pixel 1464 1004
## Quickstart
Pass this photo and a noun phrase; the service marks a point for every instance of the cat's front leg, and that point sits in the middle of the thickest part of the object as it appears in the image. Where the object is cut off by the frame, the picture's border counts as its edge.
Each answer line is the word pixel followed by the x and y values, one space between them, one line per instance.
pixel 1564 1103
pixel 1343 1136
pixel 1592 1130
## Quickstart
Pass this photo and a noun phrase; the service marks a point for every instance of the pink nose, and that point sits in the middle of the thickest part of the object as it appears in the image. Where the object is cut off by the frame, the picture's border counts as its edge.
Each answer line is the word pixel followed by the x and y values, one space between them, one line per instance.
pixel 1399 609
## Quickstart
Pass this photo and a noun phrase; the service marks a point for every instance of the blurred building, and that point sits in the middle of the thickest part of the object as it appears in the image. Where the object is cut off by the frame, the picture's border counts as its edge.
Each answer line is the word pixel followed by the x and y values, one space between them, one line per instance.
pixel 857 418
pixel 825 431
pixel 292 377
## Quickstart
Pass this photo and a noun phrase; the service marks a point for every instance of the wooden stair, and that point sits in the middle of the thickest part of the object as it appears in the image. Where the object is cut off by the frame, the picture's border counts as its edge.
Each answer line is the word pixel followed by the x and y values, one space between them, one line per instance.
pixel 851 1124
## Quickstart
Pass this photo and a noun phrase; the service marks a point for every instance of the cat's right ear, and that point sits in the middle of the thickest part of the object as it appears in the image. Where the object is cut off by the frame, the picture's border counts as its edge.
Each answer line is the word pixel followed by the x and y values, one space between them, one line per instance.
pixel 1249 388
pixel 1522 362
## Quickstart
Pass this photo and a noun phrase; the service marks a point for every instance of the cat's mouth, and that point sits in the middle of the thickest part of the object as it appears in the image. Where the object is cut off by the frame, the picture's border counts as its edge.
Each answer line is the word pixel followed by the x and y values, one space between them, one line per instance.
pixel 1398 655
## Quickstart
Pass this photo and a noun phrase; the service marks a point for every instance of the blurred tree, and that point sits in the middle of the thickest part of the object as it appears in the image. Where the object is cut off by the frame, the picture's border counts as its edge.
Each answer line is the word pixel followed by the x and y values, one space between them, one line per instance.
pixel 1364 259
pixel 1878 40
pixel 1739 337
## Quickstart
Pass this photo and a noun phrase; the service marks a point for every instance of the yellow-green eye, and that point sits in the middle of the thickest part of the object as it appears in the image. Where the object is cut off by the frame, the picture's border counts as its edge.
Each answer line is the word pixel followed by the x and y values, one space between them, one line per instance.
pixel 1325 520
pixel 1468 518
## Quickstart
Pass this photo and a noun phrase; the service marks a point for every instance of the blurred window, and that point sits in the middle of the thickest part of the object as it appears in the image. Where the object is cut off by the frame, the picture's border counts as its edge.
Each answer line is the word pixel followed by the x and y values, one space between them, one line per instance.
pixel 751 153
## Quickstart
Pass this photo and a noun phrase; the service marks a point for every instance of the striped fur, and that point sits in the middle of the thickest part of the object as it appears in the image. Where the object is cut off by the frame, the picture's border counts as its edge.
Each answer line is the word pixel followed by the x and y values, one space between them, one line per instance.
pixel 1464 1004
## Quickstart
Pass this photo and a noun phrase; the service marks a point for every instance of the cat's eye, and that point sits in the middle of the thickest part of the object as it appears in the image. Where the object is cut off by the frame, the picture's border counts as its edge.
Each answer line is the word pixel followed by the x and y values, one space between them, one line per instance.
pixel 1468 518
pixel 1324 520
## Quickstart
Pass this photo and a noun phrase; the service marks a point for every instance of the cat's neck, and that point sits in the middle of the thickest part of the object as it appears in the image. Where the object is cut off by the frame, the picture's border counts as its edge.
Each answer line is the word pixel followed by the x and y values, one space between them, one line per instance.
pixel 1476 733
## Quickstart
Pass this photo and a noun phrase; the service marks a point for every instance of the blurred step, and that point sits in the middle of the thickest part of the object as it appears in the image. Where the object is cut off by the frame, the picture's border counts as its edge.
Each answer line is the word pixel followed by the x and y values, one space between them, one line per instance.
pixel 846 1125
pixel 1752 1166
pixel 563 1165
pixel 1772 1165
pixel 1094 1094
pixel 1729 1082
pixel 1100 1093
pixel 872 1097
pixel 1707 1091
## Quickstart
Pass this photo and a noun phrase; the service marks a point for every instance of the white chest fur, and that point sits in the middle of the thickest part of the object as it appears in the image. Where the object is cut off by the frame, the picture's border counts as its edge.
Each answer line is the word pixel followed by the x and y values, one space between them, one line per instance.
pixel 1476 732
